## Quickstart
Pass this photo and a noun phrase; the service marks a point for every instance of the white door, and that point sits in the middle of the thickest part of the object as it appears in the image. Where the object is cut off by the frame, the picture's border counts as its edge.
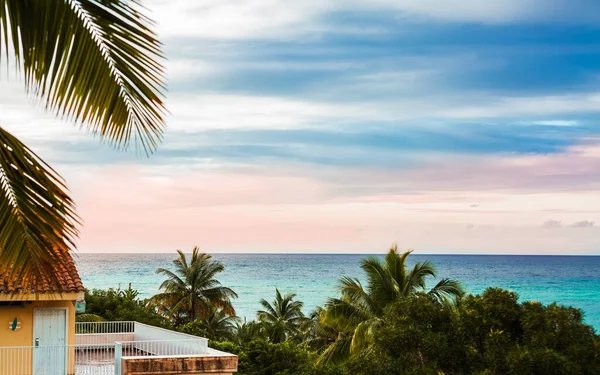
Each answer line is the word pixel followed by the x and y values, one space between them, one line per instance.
pixel 50 341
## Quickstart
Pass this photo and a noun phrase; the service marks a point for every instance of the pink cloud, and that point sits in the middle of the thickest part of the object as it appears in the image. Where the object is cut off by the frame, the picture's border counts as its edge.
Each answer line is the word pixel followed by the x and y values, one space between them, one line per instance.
pixel 428 207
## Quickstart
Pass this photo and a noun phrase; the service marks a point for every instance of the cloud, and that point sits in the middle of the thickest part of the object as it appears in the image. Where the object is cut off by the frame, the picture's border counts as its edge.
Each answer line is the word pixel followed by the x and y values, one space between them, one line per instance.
pixel 556 122
pixel 582 224
pixel 548 224
pixel 157 208
pixel 278 19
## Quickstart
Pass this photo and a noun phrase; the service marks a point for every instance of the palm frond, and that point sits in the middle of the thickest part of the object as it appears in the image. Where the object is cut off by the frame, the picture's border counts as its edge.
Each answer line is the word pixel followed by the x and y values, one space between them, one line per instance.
pixel 353 291
pixel 363 338
pixel 338 352
pixel 192 290
pixel 268 312
pixel 416 277
pixel 447 291
pixel 343 314
pixel 395 264
pixel 94 62
pixel 37 217
pixel 381 286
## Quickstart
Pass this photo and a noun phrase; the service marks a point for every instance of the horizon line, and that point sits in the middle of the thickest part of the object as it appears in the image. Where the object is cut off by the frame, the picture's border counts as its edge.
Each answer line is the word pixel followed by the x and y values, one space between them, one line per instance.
pixel 325 253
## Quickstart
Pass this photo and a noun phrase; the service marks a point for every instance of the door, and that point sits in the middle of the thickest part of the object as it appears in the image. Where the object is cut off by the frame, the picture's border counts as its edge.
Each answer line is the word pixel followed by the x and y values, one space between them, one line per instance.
pixel 50 341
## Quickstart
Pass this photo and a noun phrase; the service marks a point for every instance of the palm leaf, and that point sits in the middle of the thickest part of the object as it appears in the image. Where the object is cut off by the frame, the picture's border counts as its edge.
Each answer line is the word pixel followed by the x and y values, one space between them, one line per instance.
pixel 94 62
pixel 395 263
pixel 337 352
pixel 381 286
pixel 37 217
pixel 416 277
pixel 362 339
pixel 447 291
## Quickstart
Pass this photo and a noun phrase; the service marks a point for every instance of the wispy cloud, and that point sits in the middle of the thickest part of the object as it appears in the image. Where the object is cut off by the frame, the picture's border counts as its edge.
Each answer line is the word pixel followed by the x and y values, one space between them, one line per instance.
pixel 583 224
pixel 277 19
pixel 549 224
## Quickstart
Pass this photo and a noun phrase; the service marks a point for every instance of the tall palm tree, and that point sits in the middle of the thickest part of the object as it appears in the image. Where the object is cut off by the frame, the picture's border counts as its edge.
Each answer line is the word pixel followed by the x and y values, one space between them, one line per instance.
pixel 93 62
pixel 282 319
pixel 191 291
pixel 359 310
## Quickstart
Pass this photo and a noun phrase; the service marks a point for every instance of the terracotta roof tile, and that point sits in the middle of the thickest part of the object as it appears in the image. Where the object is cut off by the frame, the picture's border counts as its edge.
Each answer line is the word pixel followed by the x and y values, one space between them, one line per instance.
pixel 65 273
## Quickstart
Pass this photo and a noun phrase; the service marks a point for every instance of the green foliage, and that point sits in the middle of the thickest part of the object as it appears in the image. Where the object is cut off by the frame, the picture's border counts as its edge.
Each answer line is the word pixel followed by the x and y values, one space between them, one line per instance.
pixel 216 326
pixel 282 319
pixel 191 291
pixel 37 217
pixel 96 63
pixel 245 332
pixel 487 334
pixel 122 305
pixel 415 334
pixel 261 357
pixel 88 318
pixel 358 312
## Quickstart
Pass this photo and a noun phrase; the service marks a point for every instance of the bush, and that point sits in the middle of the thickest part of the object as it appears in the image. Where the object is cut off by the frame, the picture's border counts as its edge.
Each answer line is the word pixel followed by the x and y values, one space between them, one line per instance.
pixel 260 357
pixel 122 305
pixel 487 334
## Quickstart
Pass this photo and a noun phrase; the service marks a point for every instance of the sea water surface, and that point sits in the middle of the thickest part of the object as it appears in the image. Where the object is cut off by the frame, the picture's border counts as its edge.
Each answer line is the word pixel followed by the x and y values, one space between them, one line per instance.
pixel 568 280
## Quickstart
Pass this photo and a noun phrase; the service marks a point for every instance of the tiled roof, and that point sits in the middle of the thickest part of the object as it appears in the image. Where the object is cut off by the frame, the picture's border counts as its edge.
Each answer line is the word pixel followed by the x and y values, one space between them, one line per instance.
pixel 65 275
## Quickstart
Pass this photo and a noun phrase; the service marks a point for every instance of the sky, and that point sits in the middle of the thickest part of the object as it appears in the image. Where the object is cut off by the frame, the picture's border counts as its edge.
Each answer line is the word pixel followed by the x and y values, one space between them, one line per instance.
pixel 345 126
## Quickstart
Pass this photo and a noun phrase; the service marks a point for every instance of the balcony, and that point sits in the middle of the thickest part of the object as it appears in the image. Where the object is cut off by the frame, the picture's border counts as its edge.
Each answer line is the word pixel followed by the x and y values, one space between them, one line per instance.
pixel 119 348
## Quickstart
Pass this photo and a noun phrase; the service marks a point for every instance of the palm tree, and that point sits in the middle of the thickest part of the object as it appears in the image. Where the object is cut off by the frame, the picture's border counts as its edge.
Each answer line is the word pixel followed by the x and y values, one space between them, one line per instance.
pixel 191 291
pixel 359 310
pixel 317 334
pixel 247 331
pixel 96 63
pixel 217 326
pixel 282 319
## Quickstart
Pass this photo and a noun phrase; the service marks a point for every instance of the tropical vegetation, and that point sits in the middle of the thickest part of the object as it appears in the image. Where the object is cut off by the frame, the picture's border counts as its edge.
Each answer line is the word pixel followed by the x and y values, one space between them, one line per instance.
pixel 191 291
pixel 95 63
pixel 491 333
pixel 355 315
pixel 282 319
pixel 419 330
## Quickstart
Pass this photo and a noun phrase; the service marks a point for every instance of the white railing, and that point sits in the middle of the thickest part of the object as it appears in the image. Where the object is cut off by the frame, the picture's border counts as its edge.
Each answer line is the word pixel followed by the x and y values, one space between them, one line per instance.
pixel 99 348
pixel 162 348
pixel 108 333
pixel 57 360
pixel 145 332
pixel 103 333
pixel 104 327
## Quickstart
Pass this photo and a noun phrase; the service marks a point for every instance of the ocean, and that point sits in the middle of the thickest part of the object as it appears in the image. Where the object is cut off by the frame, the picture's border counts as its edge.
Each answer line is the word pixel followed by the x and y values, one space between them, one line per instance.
pixel 568 280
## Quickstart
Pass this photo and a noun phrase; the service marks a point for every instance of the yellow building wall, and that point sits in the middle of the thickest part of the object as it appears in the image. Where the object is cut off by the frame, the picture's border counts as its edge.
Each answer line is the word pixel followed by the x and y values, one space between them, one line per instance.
pixel 24 336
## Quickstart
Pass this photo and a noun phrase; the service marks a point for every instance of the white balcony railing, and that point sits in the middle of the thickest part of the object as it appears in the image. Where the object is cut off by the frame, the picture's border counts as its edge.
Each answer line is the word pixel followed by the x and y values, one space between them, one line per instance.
pixel 108 333
pixel 99 348
pixel 103 333
pixel 57 360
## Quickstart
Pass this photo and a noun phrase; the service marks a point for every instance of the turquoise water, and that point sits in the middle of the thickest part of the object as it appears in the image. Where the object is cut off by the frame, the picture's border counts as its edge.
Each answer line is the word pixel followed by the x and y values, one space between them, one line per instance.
pixel 569 280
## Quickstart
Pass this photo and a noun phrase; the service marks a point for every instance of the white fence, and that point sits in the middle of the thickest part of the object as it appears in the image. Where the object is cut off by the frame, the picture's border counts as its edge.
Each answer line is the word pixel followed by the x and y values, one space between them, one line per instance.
pixel 108 333
pixel 99 348
pixel 103 333
pixel 57 360
pixel 104 327
pixel 189 344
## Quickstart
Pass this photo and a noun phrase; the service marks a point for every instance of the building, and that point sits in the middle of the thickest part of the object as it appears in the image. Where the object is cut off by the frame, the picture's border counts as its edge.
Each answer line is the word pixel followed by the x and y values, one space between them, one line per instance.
pixel 39 336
